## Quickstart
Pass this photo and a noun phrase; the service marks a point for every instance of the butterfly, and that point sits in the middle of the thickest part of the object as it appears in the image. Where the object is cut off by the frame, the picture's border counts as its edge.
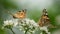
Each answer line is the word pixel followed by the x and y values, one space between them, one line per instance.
pixel 20 14
pixel 45 20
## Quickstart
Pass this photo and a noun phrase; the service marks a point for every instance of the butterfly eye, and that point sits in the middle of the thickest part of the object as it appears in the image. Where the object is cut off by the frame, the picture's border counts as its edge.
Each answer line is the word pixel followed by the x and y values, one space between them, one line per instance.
pixel 19 11
pixel 23 11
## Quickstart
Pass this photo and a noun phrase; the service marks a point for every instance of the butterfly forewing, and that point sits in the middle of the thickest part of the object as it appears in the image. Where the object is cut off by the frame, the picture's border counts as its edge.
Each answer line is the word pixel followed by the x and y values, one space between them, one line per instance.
pixel 20 14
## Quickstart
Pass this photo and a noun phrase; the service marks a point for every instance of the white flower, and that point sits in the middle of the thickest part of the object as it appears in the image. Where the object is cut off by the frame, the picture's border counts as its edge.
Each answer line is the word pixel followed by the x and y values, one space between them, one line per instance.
pixel 25 24
pixel 33 23
pixel 44 28
pixel 8 22
pixel 15 21
pixel 12 22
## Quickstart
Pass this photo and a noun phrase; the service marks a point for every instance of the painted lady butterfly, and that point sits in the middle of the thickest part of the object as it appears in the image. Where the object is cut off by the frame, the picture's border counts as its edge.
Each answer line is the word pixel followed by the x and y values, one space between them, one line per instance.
pixel 44 20
pixel 20 14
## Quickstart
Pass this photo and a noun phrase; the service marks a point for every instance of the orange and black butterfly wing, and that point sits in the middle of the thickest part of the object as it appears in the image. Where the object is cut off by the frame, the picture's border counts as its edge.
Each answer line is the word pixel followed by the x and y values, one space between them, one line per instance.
pixel 44 19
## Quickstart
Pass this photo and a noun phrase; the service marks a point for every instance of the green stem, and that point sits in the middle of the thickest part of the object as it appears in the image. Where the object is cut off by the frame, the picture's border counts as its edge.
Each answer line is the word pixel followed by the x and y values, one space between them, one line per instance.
pixel 12 31
pixel 26 31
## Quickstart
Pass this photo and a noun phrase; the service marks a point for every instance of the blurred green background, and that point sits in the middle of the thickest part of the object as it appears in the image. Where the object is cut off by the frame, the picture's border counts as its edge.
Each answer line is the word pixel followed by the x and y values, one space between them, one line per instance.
pixel 34 11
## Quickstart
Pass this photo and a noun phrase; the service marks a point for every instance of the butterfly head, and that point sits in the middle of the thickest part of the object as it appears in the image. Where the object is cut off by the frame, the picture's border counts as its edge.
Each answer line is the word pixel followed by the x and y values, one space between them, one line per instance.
pixel 22 12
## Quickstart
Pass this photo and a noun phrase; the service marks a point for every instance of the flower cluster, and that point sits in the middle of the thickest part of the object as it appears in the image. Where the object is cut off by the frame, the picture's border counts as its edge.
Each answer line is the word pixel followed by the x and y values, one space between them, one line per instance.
pixel 25 25
pixel 9 23
pixel 44 28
